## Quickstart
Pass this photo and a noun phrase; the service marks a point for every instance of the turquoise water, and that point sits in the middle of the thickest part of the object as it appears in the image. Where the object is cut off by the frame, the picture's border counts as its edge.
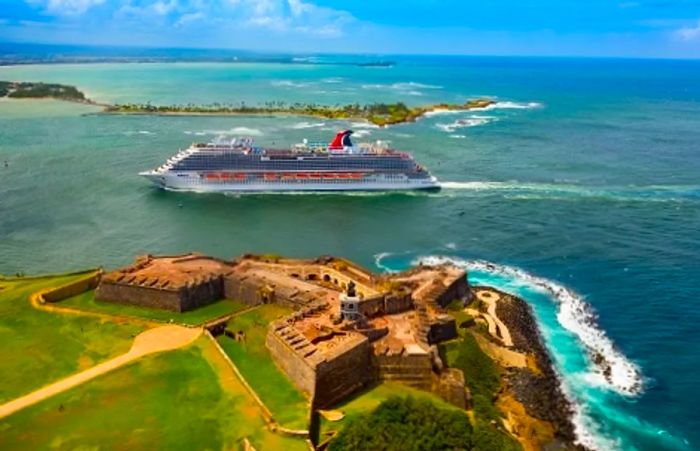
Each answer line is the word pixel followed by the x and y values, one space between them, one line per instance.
pixel 581 189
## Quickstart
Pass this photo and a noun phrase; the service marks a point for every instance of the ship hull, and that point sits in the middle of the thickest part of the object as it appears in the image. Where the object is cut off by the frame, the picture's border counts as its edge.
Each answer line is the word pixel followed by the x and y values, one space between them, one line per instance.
pixel 194 183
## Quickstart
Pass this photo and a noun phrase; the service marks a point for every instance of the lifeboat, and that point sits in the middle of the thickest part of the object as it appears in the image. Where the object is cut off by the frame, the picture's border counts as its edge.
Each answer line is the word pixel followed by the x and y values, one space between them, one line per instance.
pixel 302 176
pixel 239 176
pixel 329 175
pixel 356 175
pixel 212 176
pixel 270 176
pixel 315 175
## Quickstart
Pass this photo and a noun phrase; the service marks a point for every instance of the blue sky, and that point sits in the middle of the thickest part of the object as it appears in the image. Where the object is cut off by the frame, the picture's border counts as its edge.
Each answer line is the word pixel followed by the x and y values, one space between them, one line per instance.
pixel 635 28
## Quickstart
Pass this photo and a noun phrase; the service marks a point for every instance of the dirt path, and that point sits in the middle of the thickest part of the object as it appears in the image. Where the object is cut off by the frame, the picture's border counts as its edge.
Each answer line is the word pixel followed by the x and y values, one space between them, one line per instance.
pixel 496 327
pixel 159 339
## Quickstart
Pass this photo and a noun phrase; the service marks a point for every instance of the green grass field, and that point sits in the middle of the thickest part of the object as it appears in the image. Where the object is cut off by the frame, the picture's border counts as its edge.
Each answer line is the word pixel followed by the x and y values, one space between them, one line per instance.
pixel 288 406
pixel 175 400
pixel 86 301
pixel 40 347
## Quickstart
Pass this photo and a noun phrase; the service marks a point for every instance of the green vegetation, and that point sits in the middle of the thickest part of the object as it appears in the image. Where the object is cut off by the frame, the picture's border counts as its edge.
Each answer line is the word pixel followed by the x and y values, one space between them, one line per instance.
pixel 406 423
pixel 287 404
pixel 39 347
pixel 173 400
pixel 86 301
pixel 483 380
pixel 368 400
pixel 376 113
pixel 29 90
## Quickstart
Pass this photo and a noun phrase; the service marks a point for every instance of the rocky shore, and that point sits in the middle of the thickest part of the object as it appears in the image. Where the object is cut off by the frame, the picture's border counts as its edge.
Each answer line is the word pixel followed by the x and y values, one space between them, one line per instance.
pixel 538 389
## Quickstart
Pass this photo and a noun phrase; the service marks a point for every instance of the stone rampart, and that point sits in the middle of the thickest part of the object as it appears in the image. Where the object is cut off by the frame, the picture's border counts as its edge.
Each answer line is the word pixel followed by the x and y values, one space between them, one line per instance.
pixel 72 289
pixel 442 328
pixel 458 288
pixel 372 306
pixel 300 369
pixel 243 288
pixel 397 302
pixel 415 370
pixel 141 296
pixel 342 375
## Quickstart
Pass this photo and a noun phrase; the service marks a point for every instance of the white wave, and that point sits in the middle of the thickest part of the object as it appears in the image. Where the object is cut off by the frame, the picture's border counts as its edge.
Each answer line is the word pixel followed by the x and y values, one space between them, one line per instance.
pixel 507 105
pixel 289 84
pixel 458 136
pixel 303 125
pixel 410 86
pixel 333 80
pixel 442 112
pixel 471 121
pixel 576 316
pixel 414 85
pixel 363 125
pixel 138 132
pixel 362 133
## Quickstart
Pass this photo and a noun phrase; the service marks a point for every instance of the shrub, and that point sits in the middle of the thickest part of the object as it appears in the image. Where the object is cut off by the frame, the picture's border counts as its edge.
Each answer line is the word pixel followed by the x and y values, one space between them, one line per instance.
pixel 406 424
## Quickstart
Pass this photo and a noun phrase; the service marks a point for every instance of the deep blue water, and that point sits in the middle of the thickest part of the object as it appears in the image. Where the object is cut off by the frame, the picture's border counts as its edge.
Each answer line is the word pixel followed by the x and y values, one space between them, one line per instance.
pixel 581 189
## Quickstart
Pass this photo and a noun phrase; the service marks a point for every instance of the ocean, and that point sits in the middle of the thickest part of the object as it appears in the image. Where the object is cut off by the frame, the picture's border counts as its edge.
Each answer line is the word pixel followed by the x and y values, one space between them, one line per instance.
pixel 578 191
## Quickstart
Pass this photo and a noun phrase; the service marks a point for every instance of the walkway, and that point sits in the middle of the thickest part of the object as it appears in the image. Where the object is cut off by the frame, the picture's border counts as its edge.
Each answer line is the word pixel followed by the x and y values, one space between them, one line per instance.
pixel 159 339
pixel 496 327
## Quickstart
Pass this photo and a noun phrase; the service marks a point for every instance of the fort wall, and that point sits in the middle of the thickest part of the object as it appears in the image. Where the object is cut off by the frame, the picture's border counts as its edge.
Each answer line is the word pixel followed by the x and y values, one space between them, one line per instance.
pixel 458 288
pixel 140 296
pixel 297 368
pixel 72 289
pixel 415 370
pixel 344 374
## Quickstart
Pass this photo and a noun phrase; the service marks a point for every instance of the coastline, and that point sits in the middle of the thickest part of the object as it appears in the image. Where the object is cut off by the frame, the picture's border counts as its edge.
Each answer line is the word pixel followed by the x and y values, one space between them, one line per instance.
pixel 541 394
pixel 379 114
pixel 537 411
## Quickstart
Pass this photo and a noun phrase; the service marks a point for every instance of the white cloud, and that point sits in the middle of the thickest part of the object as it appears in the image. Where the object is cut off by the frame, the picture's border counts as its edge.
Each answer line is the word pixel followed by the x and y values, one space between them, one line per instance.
pixel 186 19
pixel 281 17
pixel 689 33
pixel 66 7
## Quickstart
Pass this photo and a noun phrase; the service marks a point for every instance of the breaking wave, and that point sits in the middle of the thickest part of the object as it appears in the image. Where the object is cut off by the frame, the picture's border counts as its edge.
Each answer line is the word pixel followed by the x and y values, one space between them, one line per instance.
pixel 471 121
pixel 576 316
pixel 303 125
pixel 503 105
pixel 364 125
pixel 289 84
pixel 410 86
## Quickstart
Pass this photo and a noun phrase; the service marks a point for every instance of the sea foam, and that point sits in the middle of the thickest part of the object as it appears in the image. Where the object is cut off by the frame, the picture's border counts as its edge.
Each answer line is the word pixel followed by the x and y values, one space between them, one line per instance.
pixel 303 125
pixel 471 121
pixel 576 316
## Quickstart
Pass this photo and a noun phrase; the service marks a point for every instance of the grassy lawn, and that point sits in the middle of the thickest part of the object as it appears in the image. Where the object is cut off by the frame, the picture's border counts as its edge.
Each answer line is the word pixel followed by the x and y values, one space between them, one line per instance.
pixel 287 404
pixel 174 400
pixel 368 400
pixel 40 347
pixel 87 301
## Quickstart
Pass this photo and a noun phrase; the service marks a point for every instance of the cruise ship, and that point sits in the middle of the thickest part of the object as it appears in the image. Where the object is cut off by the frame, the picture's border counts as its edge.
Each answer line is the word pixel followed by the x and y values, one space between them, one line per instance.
pixel 237 165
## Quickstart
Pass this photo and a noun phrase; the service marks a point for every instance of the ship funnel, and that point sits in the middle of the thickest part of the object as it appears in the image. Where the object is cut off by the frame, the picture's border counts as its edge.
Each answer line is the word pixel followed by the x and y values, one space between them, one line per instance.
pixel 341 140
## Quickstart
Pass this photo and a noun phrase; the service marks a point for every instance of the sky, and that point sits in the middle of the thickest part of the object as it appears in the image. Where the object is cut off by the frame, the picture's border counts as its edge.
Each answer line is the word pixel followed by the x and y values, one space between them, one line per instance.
pixel 627 28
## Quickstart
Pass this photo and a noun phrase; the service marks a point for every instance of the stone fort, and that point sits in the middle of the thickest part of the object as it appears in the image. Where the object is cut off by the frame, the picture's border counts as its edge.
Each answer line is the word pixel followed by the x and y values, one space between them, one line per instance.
pixel 350 327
